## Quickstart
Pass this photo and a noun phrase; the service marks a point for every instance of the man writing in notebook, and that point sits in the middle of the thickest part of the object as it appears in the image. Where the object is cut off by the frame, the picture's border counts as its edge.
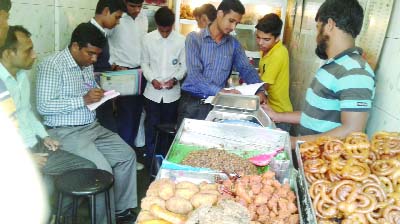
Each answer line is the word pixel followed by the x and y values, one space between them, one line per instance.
pixel 62 99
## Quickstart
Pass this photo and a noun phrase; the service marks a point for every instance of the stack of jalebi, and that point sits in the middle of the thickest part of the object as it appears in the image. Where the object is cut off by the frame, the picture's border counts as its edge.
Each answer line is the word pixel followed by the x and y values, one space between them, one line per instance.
pixel 355 180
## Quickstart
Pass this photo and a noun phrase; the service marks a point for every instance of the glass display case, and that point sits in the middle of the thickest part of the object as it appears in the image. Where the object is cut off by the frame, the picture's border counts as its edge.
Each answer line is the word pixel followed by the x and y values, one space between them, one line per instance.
pixel 244 32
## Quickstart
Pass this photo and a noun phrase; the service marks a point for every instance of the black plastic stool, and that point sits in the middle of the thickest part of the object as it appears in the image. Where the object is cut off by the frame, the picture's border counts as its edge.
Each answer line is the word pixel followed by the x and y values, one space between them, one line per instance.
pixel 84 182
pixel 167 129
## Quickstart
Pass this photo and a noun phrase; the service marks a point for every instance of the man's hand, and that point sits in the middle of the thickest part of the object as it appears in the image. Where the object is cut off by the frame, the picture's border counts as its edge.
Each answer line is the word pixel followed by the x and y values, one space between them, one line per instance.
pixel 169 84
pixel 93 96
pixel 262 96
pixel 231 91
pixel 51 144
pixel 40 159
pixel 156 84
pixel 116 67
pixel 270 112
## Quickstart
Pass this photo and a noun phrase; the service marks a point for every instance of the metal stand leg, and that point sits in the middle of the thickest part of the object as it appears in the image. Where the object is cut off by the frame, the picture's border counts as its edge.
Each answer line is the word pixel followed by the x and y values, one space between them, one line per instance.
pixel 154 154
pixel 108 210
pixel 74 210
pixel 59 207
pixel 92 209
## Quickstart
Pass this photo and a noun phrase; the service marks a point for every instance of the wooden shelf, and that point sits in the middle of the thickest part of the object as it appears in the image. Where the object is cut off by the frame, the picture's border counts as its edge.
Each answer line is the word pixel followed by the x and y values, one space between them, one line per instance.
pixel 188 21
pixel 253 54
pixel 245 26
pixel 239 26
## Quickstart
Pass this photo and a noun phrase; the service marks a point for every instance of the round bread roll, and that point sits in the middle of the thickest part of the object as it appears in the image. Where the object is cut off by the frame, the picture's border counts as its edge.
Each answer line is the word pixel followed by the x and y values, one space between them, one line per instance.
pixel 200 199
pixel 148 201
pixel 185 193
pixel 145 216
pixel 208 186
pixel 179 205
pixel 210 192
pixel 188 185
pixel 166 189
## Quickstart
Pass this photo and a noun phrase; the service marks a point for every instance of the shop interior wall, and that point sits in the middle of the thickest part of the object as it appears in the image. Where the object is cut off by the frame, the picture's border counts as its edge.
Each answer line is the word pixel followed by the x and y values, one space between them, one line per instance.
pixel 51 23
pixel 300 34
pixel 386 111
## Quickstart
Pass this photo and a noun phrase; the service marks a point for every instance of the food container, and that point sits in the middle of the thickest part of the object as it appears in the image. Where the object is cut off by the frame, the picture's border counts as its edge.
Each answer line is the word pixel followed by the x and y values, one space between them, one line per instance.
pixel 238 107
pixel 304 187
pixel 198 177
pixel 244 141
pixel 205 134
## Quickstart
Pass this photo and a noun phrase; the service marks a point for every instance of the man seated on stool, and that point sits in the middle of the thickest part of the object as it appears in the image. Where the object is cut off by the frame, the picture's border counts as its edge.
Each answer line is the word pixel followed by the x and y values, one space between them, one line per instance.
pixel 17 56
pixel 62 99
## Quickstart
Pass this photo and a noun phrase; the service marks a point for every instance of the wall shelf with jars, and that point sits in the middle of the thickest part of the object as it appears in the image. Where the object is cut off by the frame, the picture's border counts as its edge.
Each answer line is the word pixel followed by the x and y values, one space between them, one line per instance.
pixel 245 30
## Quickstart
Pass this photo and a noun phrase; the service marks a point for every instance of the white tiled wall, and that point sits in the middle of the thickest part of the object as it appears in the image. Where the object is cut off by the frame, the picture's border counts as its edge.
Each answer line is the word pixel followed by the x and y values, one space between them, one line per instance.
pixel 51 23
pixel 44 17
pixel 386 112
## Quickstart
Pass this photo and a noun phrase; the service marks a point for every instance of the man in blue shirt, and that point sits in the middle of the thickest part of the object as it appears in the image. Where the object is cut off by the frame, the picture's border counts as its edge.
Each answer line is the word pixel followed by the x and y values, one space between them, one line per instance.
pixel 210 56
pixel 340 96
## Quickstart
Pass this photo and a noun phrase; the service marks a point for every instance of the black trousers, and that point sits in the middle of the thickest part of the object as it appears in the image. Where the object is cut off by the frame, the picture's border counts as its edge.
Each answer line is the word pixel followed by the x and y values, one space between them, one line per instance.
pixel 192 107
pixel 158 113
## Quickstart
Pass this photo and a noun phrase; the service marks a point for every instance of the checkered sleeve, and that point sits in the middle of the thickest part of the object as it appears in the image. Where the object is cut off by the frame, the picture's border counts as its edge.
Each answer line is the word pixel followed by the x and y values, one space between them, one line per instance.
pixel 50 100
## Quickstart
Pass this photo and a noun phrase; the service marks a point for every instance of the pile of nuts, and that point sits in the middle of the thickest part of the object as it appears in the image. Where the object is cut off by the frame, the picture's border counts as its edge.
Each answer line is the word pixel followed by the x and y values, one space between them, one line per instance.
pixel 220 160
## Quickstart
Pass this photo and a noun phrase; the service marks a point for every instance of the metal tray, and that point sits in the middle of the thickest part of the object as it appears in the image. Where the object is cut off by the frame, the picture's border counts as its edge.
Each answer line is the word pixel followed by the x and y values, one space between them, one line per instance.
pixel 235 101
pixel 231 137
pixel 239 107
pixel 228 136
pixel 198 177
pixel 304 187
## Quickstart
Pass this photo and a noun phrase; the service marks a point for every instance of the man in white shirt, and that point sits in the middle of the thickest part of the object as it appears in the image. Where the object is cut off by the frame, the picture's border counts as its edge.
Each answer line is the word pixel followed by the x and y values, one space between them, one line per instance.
pixel 163 64
pixel 125 39
pixel 107 15
pixel 125 50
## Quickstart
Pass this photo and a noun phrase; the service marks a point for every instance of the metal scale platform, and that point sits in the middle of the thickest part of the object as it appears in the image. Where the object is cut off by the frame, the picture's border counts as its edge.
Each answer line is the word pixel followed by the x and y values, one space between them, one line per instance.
pixel 234 107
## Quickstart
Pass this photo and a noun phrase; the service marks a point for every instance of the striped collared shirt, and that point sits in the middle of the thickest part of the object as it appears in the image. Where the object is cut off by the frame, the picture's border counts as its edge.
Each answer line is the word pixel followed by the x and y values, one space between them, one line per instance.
pixel 344 83
pixel 209 64
pixel 61 85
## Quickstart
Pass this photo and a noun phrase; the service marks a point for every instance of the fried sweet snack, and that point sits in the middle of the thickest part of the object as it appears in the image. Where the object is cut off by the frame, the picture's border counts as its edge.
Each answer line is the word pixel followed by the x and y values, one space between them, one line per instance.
pixel 362 181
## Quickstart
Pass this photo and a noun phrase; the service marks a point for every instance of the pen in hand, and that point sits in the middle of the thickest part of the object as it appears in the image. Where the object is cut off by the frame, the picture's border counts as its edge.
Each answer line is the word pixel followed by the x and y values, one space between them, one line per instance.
pixel 88 85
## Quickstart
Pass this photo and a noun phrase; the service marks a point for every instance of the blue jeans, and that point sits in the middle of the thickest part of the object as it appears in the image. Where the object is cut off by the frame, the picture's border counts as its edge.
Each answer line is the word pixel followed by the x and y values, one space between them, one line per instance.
pixel 192 107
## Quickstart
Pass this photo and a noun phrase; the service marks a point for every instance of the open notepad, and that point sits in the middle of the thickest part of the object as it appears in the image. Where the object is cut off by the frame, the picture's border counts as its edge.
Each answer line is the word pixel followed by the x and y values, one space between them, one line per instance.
pixel 249 89
pixel 107 95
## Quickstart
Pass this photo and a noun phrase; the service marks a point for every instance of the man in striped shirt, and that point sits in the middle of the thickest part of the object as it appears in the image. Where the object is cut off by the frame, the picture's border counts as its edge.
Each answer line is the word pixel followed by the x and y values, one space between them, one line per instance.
pixel 210 56
pixel 340 96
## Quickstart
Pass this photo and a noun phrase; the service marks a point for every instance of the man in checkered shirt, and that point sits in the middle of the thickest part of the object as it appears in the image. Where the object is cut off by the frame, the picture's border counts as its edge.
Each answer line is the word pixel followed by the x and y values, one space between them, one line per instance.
pixel 65 86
